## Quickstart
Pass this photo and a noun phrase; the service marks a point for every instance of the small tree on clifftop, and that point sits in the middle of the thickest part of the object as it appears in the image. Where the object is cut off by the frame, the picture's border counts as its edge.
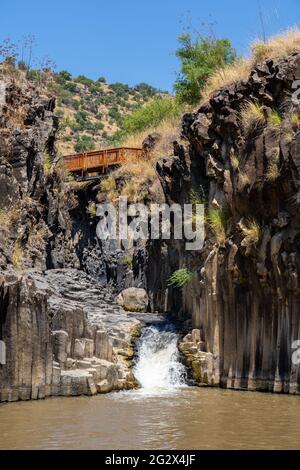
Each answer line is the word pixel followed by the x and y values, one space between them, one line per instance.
pixel 199 59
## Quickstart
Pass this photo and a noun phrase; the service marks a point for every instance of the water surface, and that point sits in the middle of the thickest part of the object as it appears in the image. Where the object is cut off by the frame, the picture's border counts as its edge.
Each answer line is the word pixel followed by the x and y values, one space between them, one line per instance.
pixel 193 418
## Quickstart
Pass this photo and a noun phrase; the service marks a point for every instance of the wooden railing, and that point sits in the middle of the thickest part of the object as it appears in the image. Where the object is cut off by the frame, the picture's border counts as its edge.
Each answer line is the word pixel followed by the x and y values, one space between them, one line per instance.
pixel 99 160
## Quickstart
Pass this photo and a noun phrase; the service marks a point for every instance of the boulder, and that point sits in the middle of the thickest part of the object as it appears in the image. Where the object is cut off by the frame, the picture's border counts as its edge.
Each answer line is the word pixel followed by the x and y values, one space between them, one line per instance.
pixel 134 300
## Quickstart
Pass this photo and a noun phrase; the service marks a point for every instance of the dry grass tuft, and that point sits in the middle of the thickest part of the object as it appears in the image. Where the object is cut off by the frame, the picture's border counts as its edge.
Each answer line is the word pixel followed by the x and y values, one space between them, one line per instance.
pixel 252 116
pixel 92 209
pixel 226 76
pixel 251 229
pixel 136 140
pixel 277 46
pixel 134 191
pixel 217 223
pixel 273 171
pixel 109 184
pixel 47 164
pixel 38 236
pixel 17 256
pixel 142 175
pixel 244 180
pixel 8 217
pixel 4 219
pixel 142 170
pixel 235 163
pixel 295 120
pixel 169 129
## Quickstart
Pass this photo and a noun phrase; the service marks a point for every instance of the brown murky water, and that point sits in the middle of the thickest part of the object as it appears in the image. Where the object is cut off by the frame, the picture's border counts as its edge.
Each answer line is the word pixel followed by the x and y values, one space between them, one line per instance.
pixel 189 418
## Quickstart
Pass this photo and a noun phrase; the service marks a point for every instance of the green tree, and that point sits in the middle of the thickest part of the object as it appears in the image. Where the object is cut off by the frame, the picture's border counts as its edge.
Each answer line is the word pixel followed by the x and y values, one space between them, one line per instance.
pixel 65 75
pixel 84 80
pixel 146 90
pixel 199 58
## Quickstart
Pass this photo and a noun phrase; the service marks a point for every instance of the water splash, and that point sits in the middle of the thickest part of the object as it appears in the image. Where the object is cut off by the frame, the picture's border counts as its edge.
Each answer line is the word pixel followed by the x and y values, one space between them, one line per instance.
pixel 158 367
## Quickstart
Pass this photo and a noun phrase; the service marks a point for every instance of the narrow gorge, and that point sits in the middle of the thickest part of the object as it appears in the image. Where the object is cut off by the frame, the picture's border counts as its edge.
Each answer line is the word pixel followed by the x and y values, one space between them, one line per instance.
pixel 72 308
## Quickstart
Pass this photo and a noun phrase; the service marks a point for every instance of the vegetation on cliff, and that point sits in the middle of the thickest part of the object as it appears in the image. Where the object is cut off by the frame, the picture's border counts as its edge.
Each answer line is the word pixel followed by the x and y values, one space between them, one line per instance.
pixel 89 111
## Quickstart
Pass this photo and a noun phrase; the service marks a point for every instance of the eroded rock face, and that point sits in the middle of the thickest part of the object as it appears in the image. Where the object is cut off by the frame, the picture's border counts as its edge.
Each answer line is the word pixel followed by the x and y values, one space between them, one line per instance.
pixel 64 333
pixel 244 297
pixel 63 336
pixel 35 228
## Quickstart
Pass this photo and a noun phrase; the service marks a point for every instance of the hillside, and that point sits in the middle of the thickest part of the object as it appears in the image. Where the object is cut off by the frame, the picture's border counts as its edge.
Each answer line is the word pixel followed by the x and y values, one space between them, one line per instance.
pixel 91 111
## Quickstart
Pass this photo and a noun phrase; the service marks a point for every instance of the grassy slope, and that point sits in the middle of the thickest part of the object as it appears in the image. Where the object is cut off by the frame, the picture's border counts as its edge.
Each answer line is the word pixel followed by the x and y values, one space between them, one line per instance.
pixel 93 110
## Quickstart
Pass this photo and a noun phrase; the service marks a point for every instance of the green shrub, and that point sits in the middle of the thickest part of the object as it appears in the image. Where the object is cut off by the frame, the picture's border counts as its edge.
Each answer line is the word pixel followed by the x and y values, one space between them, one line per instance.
pixel 84 144
pixel 180 278
pixel 65 97
pixel 120 89
pixel 64 75
pixel 70 86
pixel 200 58
pixel 275 119
pixel 147 91
pixel 84 80
pixel 99 126
pixel 128 262
pixel 115 115
pixel 150 115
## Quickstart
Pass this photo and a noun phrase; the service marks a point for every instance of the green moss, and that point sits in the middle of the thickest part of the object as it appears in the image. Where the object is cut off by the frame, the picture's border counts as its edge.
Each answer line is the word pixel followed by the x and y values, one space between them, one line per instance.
pixel 196 368
pixel 128 261
pixel 136 331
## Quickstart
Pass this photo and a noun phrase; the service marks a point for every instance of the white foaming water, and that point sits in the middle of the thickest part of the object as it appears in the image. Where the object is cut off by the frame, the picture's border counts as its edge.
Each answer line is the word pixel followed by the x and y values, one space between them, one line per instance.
pixel 158 367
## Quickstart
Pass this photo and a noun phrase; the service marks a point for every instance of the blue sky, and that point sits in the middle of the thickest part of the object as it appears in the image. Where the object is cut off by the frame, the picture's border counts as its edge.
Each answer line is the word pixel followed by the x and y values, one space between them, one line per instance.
pixel 133 41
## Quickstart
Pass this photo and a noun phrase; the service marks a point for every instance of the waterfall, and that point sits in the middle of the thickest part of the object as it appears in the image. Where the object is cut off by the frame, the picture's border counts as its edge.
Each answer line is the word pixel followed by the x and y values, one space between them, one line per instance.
pixel 157 366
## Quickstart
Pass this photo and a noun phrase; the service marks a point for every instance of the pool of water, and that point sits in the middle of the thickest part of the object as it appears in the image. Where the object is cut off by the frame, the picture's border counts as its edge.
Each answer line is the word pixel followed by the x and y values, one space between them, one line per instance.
pixel 192 418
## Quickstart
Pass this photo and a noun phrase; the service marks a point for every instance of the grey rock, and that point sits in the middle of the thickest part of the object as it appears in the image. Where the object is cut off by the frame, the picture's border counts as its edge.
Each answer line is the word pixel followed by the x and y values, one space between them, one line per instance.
pixel 134 300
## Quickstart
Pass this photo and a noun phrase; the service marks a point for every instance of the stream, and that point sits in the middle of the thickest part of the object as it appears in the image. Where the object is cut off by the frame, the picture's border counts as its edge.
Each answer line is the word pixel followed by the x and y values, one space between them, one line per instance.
pixel 165 413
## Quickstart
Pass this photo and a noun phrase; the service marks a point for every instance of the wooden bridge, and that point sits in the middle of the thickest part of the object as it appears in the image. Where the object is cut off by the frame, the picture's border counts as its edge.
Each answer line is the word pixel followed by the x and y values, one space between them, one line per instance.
pixel 88 165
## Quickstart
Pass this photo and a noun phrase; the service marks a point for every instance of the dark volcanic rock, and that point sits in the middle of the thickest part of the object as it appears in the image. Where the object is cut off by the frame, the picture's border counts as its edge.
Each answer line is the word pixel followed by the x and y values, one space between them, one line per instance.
pixel 245 296
pixel 34 203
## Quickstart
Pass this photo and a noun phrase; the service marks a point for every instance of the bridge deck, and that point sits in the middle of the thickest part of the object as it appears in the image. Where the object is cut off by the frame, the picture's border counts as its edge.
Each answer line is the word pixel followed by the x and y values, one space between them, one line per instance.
pixel 99 160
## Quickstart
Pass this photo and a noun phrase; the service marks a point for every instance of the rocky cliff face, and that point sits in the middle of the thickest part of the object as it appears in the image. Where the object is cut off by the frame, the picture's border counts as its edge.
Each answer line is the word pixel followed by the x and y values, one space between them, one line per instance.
pixel 245 166
pixel 63 335
pixel 35 223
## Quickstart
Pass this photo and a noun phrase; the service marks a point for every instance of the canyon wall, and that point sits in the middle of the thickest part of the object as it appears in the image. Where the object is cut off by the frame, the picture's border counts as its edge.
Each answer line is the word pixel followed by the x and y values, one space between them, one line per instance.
pixel 63 334
pixel 64 331
pixel 244 166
